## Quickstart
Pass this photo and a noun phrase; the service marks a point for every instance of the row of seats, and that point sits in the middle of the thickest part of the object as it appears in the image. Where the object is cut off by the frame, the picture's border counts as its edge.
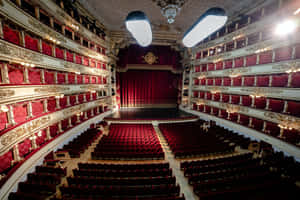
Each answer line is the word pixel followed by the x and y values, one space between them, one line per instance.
pixel 133 141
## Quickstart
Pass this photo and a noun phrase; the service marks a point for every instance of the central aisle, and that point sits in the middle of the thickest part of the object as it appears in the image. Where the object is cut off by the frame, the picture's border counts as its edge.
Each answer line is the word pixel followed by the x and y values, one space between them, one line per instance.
pixel 185 188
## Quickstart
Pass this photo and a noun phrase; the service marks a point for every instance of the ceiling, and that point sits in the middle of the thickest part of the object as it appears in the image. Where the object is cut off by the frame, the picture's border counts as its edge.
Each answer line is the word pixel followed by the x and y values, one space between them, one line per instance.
pixel 112 13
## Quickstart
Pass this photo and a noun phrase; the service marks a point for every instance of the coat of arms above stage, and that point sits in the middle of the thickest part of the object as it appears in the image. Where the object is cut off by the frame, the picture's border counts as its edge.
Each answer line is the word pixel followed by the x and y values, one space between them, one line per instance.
pixel 150 58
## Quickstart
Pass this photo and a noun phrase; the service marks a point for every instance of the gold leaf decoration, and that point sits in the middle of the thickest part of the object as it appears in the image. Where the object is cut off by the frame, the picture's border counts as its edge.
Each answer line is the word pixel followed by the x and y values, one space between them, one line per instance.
pixel 6 93
pixel 150 58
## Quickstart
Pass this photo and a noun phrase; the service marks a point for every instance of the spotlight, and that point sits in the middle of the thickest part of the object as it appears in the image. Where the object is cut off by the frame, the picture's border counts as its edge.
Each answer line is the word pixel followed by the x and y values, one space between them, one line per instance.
pixel 212 20
pixel 139 26
pixel 285 28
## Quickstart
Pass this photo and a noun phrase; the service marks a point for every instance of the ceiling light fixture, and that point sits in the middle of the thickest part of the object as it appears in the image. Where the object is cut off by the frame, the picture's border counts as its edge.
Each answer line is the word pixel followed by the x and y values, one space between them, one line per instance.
pixel 285 28
pixel 212 20
pixel 139 26
pixel 170 8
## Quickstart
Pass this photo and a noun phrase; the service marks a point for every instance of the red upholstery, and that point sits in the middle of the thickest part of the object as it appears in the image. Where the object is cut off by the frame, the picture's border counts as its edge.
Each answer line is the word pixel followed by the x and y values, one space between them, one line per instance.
pixel 3 120
pixel 94 80
pixel 194 106
pixel 239 62
pixel 72 100
pixel 208 95
pixel 53 130
pixel 196 93
pixel 201 108
pixel 64 124
pixel 94 97
pixel 262 81
pixel 86 79
pixel 257 124
pixel 6 160
pixel 88 96
pixel 202 95
pixel 272 129
pixel 215 111
pixel 41 139
pixel 34 76
pixel 295 80
pixel 37 108
pixel 51 106
pixel 210 67
pixel 233 117
pixel 260 103
pixel 204 67
pixel 63 102
pixel 69 56
pixel 219 65
pixel 235 99
pixel 71 78
pixel 93 63
pixel 11 35
pixel 276 105
pixel 79 79
pixel 99 80
pixel 24 147
pixel 86 61
pixel 49 77
pixel 291 136
pixel 284 53
pixel 228 64
pixel 31 43
pixel 280 80
pixel 297 51
pixel 78 59
pixel 227 81
pixel 251 60
pixel 104 66
pixel 210 81
pixel 61 78
pixel 99 65
pixel 294 108
pixel 218 81
pixel 265 57
pixel 196 81
pixel 249 81
pixel 20 112
pixel 59 53
pixel 244 120
pixel 46 49
pixel 198 55
pixel 225 98
pixel 246 100
pixel 80 98
pixel 224 114
pixel 15 74
pixel 237 81
pixel 203 81
pixel 216 96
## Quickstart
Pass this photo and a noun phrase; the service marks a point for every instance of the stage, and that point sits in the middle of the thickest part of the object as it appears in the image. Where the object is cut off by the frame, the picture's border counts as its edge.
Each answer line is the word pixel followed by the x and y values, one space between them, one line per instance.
pixel 149 115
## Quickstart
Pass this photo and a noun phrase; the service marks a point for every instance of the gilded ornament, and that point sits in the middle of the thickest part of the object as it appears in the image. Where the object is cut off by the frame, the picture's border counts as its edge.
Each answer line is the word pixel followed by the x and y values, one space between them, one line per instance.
pixel 150 58
pixel 6 93
pixel 51 89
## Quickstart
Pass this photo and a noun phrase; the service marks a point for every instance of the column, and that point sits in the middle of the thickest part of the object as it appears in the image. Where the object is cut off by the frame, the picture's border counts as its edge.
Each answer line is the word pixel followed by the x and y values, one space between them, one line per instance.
pixel 70 122
pixel 267 104
pixel 67 78
pixel 68 101
pixel 4 74
pixel 250 122
pixel 43 76
pixel 45 105
pixel 1 28
pixel 10 115
pixel 243 81
pixel 57 103
pixel 289 79
pixel 22 38
pixel 85 115
pixel 55 77
pixel 26 77
pixel 48 133
pixel 241 99
pixel 33 142
pixel 76 78
pixel 29 108
pixel 238 119
pixel 78 118
pixel 60 127
pixel 92 113
pixel 264 126
pixel 270 80
pixel 230 99
pixel 273 56
pixel 84 98
pixel 285 108
pixel 16 155
pixel 37 12
pixel 76 99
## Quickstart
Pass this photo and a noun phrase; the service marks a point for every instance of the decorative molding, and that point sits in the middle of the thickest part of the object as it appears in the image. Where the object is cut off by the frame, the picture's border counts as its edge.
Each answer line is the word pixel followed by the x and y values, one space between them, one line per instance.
pixel 13 94
pixel 261 114
pixel 18 16
pixel 18 134
pixel 150 58
pixel 286 147
pixel 272 92
pixel 13 53
pixel 149 67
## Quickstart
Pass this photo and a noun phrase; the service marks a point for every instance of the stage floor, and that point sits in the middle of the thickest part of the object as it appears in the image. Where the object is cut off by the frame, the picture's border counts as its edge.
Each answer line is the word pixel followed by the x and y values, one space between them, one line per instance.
pixel 149 114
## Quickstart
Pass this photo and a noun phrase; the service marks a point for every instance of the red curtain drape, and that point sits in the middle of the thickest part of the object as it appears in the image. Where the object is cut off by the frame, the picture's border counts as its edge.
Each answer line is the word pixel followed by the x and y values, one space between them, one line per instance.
pixel 148 87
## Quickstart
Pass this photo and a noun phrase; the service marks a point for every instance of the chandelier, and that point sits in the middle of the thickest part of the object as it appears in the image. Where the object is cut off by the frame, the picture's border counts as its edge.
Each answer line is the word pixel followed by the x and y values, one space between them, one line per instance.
pixel 170 8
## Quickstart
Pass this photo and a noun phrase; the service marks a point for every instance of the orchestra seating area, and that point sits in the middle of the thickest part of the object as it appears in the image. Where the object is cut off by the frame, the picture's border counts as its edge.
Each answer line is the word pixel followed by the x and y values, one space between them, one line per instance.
pixel 190 140
pixel 122 181
pixel 81 142
pixel 39 185
pixel 237 177
pixel 129 142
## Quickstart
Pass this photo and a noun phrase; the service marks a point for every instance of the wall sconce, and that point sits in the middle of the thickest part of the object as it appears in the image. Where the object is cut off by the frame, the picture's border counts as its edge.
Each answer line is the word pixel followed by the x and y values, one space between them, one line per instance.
pixel 32 137
pixel 284 127
pixel 77 73
pixel 79 114
pixel 59 96
pixel 201 77
pixel 39 134
pixel 263 50
pixel 27 64
pixel 214 91
pixel 256 95
pixel 293 70
pixel 234 75
pixel 4 108
pixel 238 37
pixel 75 27
pixel 53 40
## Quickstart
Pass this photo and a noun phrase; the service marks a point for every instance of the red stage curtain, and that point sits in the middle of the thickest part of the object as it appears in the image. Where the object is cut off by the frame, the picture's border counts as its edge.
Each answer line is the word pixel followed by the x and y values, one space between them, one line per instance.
pixel 210 81
pixel 211 66
pixel 294 108
pixel 202 95
pixel 280 80
pixel 93 63
pixel 86 61
pixel 3 120
pixel 11 35
pixel 251 60
pixel 61 78
pixel 59 53
pixel 24 147
pixel 237 81
pixel 249 81
pixel 78 59
pixel 262 81
pixel 295 80
pixel 225 98
pixel 218 81
pixel 284 53
pixel 54 130
pixel 80 98
pixel 69 56
pixel 203 81
pixel 272 129
pixel 51 106
pixel 46 49
pixel 244 120
pixel 239 62
pixel 265 57
pixel 15 74
pixel 20 112
pixel 219 65
pixel 276 105
pixel 34 76
pixel 31 43
pixel 246 100
pixel 235 99
pixel 79 79
pixel 37 108
pixel 260 103
pixel 6 160
pixel 257 124
pixel 204 67
pixel 63 102
pixel 227 81
pixel 72 100
pixel 208 95
pixel 49 77
pixel 148 87
pixel 228 64
pixel 217 97
pixel 71 78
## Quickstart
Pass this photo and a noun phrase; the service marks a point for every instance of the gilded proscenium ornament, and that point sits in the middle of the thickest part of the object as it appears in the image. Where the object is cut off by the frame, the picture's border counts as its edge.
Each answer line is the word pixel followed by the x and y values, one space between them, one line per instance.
pixel 150 58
